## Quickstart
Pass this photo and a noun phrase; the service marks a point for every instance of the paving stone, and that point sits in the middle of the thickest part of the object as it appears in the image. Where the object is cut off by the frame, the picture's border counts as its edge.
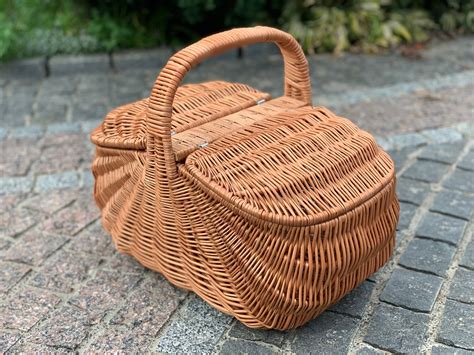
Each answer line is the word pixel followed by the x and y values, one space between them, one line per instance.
pixel 443 153
pixel 467 162
pixel 457 325
pixel 411 289
pixel 400 157
pixel 232 346
pixel 16 221
pixel 408 140
pixel 11 274
pixel 444 350
pixel 460 180
pixel 50 202
pixel 64 180
pixel 467 259
pixel 74 218
pixel 7 340
pixel 150 306
pixel 93 240
pixel 269 336
pixel 66 328
pixel 32 68
pixel 3 133
pixel 64 127
pixel 412 191
pixel 25 308
pixel 70 157
pixel 428 255
pixel 64 271
pixel 23 347
pixel 10 201
pixel 124 263
pixel 355 302
pixel 462 286
pixel 442 135
pixel 89 126
pixel 196 329
pixel 396 329
pixel 89 111
pixel 407 211
pixel 30 133
pixel 441 227
pixel 453 203
pixel 141 59
pixel 50 110
pixel 87 178
pixel 120 341
pixel 73 64
pixel 330 333
pixel 428 171
pixel 34 247
pixel 104 292
pixel 11 185
pixel 58 85
pixel 368 350
pixel 17 156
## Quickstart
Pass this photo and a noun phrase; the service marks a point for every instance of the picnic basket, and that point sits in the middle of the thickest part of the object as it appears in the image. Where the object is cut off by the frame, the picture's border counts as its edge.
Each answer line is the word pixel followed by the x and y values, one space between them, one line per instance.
pixel 271 210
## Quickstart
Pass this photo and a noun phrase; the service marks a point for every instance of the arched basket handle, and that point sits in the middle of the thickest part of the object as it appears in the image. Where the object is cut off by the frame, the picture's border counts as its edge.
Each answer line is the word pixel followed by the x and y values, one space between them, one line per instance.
pixel 159 113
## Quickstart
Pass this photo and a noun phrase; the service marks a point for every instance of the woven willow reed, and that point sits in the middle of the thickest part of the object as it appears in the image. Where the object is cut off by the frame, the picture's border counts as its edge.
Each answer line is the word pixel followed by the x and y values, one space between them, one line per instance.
pixel 270 210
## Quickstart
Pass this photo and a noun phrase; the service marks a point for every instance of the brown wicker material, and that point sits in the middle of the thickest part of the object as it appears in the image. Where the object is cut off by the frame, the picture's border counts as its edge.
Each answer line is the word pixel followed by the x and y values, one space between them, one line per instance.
pixel 270 210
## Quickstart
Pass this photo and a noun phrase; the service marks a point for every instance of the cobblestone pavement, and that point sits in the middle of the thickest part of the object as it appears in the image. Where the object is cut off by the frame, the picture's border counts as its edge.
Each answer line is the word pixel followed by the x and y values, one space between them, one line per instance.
pixel 64 288
pixel 425 85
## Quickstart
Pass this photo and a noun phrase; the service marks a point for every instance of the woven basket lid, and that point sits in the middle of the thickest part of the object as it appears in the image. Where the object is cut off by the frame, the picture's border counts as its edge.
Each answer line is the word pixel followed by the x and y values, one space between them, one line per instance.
pixel 299 167
pixel 194 105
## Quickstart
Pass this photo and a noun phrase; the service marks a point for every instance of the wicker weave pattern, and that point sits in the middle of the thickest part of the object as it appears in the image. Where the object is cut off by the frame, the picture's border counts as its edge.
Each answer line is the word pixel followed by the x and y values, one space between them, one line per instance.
pixel 285 210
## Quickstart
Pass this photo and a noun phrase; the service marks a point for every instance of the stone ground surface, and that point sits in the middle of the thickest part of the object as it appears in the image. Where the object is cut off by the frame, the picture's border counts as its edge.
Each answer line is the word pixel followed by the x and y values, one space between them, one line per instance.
pixel 65 289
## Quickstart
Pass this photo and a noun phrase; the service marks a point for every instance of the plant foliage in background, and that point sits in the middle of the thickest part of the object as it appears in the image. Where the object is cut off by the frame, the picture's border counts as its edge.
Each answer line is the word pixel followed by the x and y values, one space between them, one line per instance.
pixel 369 25
pixel 48 27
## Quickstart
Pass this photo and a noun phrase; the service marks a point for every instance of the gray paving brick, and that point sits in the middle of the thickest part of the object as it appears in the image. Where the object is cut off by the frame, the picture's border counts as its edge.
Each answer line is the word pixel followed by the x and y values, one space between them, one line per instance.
pixel 197 329
pixel 232 346
pixel 407 211
pixel 401 156
pixel 412 191
pixel 16 221
pixel 269 336
pixel 18 184
pixel 89 111
pixel 33 68
pixel 444 350
pixel 408 140
pixel 428 171
pixel 142 59
pixel 51 201
pixel 441 227
pixel 11 274
pixel 67 328
pixel 31 132
pixel 460 180
pixel 74 64
pixel 411 289
pixel 64 127
pixel 23 347
pixel 457 325
pixel 92 240
pixel 467 162
pixel 368 350
pixel 442 135
pixel 443 153
pixel 328 333
pixel 68 179
pixel 396 329
pixel 453 203
pixel 467 259
pixel 462 286
pixel 428 255
pixel 355 302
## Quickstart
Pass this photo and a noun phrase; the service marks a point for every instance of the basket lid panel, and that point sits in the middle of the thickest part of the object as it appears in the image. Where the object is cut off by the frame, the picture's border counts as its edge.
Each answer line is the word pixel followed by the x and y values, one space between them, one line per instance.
pixel 194 105
pixel 299 166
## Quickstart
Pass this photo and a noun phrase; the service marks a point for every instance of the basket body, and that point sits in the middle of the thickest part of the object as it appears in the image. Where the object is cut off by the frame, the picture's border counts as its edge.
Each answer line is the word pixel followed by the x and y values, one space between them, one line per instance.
pixel 270 210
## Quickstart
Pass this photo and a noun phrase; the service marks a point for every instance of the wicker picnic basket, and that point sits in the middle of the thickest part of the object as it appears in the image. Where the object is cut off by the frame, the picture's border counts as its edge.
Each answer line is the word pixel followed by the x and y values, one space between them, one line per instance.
pixel 269 209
